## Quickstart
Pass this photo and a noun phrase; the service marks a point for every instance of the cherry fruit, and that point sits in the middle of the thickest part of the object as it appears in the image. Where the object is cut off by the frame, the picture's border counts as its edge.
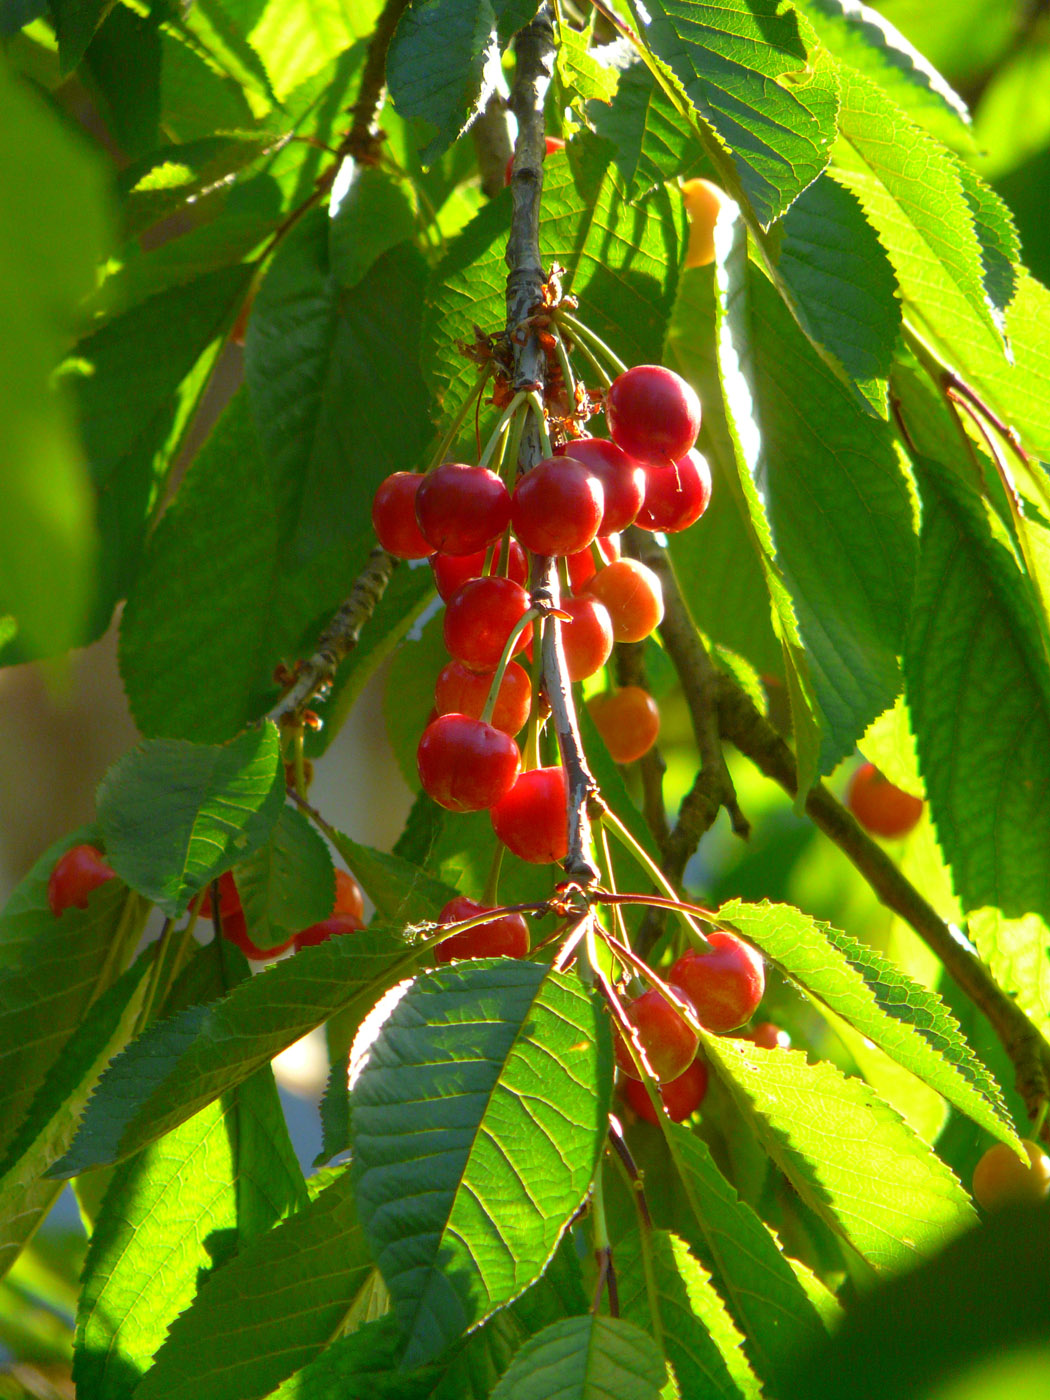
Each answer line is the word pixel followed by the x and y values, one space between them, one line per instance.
pixel 462 509
pixel 767 1035
pixel 634 597
pixel 332 927
pixel 653 414
pixel 557 507
pixel 582 567
pixel 725 984
pixel 506 936
pixel 622 479
pixel 459 690
pixel 394 516
pixel 465 764
pixel 235 930
pixel 681 1097
pixel 1001 1178
pixel 677 495
pixel 349 897
pixel 452 571
pixel 628 720
pixel 587 639
pixel 533 819
pixel 76 873
pixel 703 204
pixel 879 806
pixel 669 1042
pixel 480 618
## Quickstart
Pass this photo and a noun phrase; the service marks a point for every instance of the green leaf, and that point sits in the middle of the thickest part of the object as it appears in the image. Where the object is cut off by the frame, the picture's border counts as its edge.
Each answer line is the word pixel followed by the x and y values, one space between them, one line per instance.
pixel 53 1115
pixel 753 73
pixel 464 1203
pixel 768 1303
pixel 585 1358
pixel 175 175
pixel 580 70
pixel 974 651
pixel 840 284
pixel 127 65
pixel 443 60
pixel 297 43
pixel 179 1065
pixel 851 1158
pixel 270 1310
pixel 362 1366
pixel 997 234
pixel 905 1020
pixel 370 213
pixel 288 884
pixel 54 236
pixel 653 141
pixel 621 261
pixel 839 506
pixel 402 893
pixel 699 1337
pixel 175 815
pixel 75 24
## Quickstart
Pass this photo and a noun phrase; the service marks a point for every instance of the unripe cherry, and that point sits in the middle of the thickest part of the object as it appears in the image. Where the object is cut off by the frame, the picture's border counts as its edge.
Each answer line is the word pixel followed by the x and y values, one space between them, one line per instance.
pixel 452 571
pixel 668 1040
pixel 724 985
pixel 533 819
pixel 582 566
pixel 653 414
pixel 557 507
pixel 394 516
pixel 349 897
pixel 677 495
pixel 587 640
pixel 465 764
pixel 622 479
pixel 480 617
pixel 461 509
pixel 881 807
pixel 628 720
pixel 634 597
pixel 459 690
pixel 506 936
pixel 1001 1178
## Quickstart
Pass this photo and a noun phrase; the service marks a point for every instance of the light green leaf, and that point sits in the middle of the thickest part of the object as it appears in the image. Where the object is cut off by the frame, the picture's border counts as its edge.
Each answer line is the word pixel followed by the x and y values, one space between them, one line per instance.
pixel 179 1065
pixel 997 233
pixel 288 884
pixel 753 73
pixel 851 1158
pixel 581 70
pixel 401 892
pixel 269 1311
pixel 1017 951
pixel 464 1203
pixel 699 1337
pixel 298 42
pixel 174 815
pixel 585 1358
pixel 653 141
pixel 905 1020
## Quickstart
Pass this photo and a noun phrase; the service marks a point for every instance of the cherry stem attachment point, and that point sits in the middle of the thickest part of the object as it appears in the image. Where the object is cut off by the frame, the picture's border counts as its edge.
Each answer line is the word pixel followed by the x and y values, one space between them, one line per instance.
pixel 496 436
pixel 658 877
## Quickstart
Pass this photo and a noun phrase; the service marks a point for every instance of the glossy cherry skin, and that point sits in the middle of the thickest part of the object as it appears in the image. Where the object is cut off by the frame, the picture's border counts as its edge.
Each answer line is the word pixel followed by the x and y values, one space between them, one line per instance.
pixel 628 720
pixel 461 509
pixel 879 806
pixel 582 566
pixel 394 516
pixel 349 898
pixel 724 985
pixel 452 571
pixel 587 640
pixel 622 479
pixel 669 1042
pixel 504 937
pixel 634 597
pixel 557 507
pixel 681 1096
pixel 480 618
pixel 1001 1178
pixel 77 872
pixel 332 927
pixel 459 690
pixel 533 819
pixel 554 143
pixel 703 203
pixel 676 496
pixel 653 414
pixel 466 765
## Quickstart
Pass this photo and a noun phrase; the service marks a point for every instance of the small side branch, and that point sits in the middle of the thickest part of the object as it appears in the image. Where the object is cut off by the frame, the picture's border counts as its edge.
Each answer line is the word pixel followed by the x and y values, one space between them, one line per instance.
pixel 363 139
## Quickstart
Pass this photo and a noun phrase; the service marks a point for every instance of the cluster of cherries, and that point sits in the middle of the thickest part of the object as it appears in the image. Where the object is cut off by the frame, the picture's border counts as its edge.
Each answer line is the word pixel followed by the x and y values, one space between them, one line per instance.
pixel 82 869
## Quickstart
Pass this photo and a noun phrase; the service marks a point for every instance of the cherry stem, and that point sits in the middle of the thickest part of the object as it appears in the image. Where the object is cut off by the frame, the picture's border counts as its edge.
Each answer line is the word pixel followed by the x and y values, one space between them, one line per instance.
pixel 644 859
pixel 457 422
pixel 642 968
pixel 536 404
pixel 584 333
pixel 508 652
pixel 610 878
pixel 496 436
pixel 594 362
pixel 566 366
pixel 490 894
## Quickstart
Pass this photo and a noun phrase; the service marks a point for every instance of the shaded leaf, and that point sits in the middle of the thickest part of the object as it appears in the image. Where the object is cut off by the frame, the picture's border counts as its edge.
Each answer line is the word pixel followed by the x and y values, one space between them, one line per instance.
pixel 585 1358
pixel 362 1366
pixel 172 176
pixel 288 884
pixel 465 1202
pixel 75 24
pixel 401 892
pixel 370 213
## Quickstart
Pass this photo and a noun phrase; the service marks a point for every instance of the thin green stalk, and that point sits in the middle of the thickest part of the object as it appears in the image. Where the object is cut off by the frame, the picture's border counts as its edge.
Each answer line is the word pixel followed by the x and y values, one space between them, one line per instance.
pixel 161 951
pixel 508 651
pixel 505 418
pixel 490 894
pixel 645 1239
pixel 584 333
pixel 457 422
pixel 592 359
pixel 510 456
pixel 536 403
pixel 658 877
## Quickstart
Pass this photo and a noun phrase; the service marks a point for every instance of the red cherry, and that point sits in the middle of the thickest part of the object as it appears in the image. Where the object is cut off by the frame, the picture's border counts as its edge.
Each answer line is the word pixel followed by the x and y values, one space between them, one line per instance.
pixel 394 516
pixel 452 571
pixel 229 899
pixel 462 691
pixel 505 937
pixel 557 507
pixel 676 495
pixel 479 619
pixel 466 765
pixel 653 414
pixel 331 927
pixel 622 479
pixel 582 566
pixel 533 819
pixel 669 1041
pixel 77 872
pixel 681 1096
pixel 462 509
pixel 628 720
pixel 881 808
pixel 767 1035
pixel 554 143
pixel 724 985
pixel 588 639
pixel 235 930
pixel 634 597
pixel 349 898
